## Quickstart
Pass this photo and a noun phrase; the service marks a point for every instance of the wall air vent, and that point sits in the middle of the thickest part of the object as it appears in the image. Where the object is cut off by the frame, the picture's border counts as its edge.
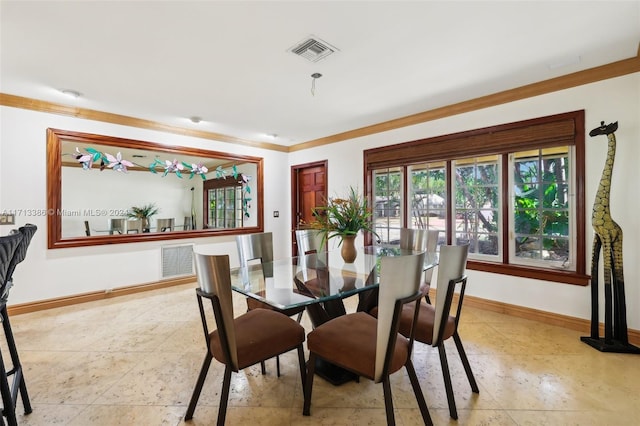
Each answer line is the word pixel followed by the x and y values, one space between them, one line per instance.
pixel 313 49
pixel 177 260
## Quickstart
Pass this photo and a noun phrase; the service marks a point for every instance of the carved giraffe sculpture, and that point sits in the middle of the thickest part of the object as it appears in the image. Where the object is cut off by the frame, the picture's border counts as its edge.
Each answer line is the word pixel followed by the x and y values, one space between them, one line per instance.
pixel 608 237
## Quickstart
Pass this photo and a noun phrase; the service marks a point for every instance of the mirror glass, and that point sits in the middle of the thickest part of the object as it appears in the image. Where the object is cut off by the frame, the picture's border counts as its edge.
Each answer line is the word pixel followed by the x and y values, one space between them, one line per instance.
pixel 105 190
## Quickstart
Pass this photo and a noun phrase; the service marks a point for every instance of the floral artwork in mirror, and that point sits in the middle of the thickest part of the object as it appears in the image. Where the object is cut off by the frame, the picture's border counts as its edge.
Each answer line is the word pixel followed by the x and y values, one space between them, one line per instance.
pixel 106 190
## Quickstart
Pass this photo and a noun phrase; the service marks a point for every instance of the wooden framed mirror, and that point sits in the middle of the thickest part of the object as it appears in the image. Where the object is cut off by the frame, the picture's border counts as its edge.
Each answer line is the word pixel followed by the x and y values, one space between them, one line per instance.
pixel 96 183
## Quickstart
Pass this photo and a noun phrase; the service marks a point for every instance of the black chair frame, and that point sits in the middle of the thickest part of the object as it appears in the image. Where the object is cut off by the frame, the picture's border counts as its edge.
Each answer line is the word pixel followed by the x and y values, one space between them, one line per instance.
pixel 386 384
pixel 8 391
pixel 226 383
pixel 462 281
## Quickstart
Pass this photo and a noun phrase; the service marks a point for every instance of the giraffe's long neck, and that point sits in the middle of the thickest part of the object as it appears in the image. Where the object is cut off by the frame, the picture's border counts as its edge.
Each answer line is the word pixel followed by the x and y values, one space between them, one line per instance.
pixel 601 205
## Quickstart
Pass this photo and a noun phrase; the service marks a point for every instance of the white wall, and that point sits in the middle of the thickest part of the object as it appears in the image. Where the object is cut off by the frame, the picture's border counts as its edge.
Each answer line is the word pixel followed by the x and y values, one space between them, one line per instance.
pixel 612 100
pixel 55 273
pixel 99 196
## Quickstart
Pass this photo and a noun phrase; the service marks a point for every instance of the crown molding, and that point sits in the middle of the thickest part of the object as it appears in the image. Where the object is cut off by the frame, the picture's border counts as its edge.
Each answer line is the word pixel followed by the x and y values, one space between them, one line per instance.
pixel 591 75
pixel 107 117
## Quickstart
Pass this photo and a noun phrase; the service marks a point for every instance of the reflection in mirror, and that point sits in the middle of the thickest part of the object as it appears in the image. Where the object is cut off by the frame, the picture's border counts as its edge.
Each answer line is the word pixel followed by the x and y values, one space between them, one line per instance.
pixel 104 190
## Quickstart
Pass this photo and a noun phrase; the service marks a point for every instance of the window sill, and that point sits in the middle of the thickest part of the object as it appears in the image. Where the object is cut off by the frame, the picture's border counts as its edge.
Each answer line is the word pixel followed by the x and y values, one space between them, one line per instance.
pixel 564 277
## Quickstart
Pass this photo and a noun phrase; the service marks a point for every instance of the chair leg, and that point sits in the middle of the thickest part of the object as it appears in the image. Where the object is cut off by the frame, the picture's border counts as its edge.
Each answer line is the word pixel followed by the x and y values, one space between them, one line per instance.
pixel 278 365
pixel 465 363
pixel 424 410
pixel 9 410
pixel 388 401
pixel 300 316
pixel 15 360
pixel 224 398
pixel 447 381
pixel 303 368
pixel 199 383
pixel 308 387
pixel 262 367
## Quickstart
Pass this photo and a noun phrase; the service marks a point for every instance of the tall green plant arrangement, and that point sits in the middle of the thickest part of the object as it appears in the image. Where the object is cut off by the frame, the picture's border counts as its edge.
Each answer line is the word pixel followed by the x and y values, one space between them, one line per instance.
pixel 342 217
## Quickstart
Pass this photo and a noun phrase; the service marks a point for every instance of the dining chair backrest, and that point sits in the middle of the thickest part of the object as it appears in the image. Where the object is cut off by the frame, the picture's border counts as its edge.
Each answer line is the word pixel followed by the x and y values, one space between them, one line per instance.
pixel 214 278
pixel 186 225
pixel 163 225
pixel 451 267
pixel 432 245
pixel 27 231
pixel 308 241
pixel 413 239
pixel 400 278
pixel 134 226
pixel 256 247
pixel 117 225
pixel 8 246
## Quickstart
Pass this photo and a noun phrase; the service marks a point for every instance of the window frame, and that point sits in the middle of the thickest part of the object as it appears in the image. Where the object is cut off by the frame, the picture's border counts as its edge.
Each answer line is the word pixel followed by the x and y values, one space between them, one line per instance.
pixel 224 184
pixel 543 132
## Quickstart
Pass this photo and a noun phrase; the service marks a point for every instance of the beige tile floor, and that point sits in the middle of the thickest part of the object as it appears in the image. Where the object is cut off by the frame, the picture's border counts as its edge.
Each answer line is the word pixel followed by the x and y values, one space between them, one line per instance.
pixel 134 360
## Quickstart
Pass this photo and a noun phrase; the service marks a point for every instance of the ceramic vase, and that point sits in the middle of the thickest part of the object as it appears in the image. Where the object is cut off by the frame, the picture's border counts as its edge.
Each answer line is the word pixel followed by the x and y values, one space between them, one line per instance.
pixel 348 249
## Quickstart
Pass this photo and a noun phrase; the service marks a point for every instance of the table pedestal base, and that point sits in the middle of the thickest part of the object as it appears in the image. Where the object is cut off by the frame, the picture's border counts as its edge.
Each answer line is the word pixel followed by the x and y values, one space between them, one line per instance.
pixel 333 374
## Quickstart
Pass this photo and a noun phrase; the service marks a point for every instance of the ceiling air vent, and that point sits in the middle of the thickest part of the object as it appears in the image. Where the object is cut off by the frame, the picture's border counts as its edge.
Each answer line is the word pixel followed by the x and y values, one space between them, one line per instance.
pixel 313 49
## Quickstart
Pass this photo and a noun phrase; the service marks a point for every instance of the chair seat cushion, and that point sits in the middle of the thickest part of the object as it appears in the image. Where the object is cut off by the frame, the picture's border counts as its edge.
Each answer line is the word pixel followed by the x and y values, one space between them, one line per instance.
pixel 260 334
pixel 350 342
pixel 257 304
pixel 424 325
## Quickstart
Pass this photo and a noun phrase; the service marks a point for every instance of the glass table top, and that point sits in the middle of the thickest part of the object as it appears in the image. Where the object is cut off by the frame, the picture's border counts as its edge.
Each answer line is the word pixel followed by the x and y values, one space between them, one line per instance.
pixel 314 278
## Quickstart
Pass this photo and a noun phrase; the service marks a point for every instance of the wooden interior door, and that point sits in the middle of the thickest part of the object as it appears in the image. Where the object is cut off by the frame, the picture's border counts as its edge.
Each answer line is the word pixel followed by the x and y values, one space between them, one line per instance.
pixel 309 189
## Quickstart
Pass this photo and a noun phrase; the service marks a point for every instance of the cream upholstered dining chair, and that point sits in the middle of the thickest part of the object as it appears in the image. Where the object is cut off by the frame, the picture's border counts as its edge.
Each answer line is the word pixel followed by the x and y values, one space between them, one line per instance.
pixel 372 347
pixel 238 342
pixel 259 247
pixel 438 323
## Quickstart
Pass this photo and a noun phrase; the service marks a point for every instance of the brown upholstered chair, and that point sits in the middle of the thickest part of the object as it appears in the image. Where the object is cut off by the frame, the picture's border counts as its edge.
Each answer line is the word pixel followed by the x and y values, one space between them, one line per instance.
pixel 371 347
pixel 437 323
pixel 238 342
pixel 260 247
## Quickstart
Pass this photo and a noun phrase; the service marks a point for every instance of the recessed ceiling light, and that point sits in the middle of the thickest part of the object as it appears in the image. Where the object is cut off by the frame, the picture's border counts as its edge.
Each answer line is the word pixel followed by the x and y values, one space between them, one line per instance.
pixel 271 135
pixel 195 119
pixel 74 94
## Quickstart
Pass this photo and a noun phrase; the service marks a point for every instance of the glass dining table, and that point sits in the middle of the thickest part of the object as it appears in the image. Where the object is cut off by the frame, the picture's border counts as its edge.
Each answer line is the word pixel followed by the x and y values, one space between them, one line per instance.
pixel 319 282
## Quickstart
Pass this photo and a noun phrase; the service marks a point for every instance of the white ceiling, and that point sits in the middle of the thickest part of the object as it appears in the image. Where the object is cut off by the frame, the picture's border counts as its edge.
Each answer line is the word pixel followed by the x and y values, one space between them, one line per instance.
pixel 229 61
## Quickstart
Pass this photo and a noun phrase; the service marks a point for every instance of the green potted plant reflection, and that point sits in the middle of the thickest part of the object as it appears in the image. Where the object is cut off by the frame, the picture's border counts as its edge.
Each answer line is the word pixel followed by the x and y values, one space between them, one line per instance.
pixel 143 213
